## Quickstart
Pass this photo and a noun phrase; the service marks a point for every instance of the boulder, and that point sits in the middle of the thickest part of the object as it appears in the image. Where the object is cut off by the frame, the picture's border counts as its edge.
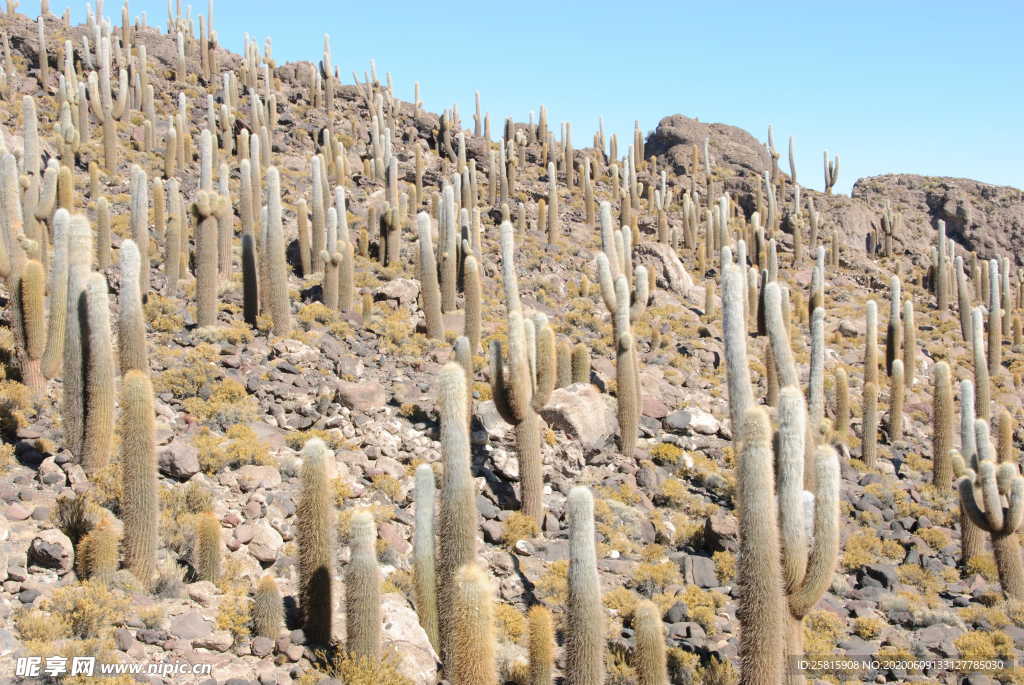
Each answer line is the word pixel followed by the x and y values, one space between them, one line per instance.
pixel 366 397
pixel 417 659
pixel 580 412
pixel 51 549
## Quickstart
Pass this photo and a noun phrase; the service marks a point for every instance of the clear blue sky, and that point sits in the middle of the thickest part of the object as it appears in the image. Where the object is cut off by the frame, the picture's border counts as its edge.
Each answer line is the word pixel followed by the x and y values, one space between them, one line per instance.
pixel 933 88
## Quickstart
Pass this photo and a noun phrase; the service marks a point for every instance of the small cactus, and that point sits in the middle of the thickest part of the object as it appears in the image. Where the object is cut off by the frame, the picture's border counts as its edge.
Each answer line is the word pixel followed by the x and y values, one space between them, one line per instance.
pixel 362 590
pixel 267 609
pixel 649 655
pixel 208 548
pixel 580 363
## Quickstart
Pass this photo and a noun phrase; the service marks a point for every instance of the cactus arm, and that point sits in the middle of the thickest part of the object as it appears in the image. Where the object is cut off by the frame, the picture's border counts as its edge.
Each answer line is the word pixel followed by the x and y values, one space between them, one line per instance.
pixel 822 562
pixel 790 458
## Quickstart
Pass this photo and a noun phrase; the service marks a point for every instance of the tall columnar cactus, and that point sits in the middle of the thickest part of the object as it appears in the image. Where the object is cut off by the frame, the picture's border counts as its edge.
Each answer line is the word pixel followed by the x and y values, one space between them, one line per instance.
pixel 472 289
pixel 267 609
pixel 734 326
pixel 140 501
pixel 869 426
pixel 816 384
pixel 79 260
pixel 430 290
pixel 31 312
pixel 939 282
pixel 982 388
pixel 53 357
pixel 208 548
pixel 458 515
pixel 759 580
pixel 893 329
pixel 98 401
pixel 553 218
pixel 896 390
pixel 942 429
pixel 995 320
pixel 140 222
pixel 315 536
pixel 871 344
pixel 963 298
pixel 649 654
pixel 842 389
pixel 995 482
pixel 473 659
pixel 525 387
pixel 424 570
pixel 972 542
pixel 362 590
pixel 1004 442
pixel 909 344
pixel 131 322
pixel 280 309
pixel 541 643
pixel 250 280
pixel 584 638
pixel 207 277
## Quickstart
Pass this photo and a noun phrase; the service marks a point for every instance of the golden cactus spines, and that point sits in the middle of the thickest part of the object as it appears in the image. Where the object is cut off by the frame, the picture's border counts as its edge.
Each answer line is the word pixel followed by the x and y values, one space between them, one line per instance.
pixel 267 609
pixel 649 654
pixel 869 427
pixel 362 589
pixel 541 645
pixel 140 504
pixel 208 548
pixel 472 642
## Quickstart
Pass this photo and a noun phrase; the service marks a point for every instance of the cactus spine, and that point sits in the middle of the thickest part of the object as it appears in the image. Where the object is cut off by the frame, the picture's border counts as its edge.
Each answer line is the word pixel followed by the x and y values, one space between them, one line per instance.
pixel 942 432
pixel 362 590
pixel 98 401
pixel 208 548
pixel 131 326
pixel 759 579
pixel 458 515
pixel 649 655
pixel 140 504
pixel 315 536
pixel 472 642
pixel 541 645
pixel 32 314
pixel 53 357
pixel 584 640
pixel 424 571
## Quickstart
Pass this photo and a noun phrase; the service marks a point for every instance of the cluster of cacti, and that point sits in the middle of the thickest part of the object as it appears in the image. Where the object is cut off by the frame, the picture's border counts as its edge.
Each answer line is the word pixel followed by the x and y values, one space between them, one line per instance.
pixel 186 183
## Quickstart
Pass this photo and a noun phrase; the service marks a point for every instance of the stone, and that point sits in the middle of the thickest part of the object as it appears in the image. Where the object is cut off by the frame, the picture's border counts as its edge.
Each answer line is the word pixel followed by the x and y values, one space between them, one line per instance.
pixel 262 646
pixel 52 549
pixel 417 659
pixel 721 533
pixel 179 460
pixel 254 476
pixel 218 641
pixel 664 266
pixel 265 543
pixel 701 571
pixel 366 397
pixel 580 412
pixel 190 625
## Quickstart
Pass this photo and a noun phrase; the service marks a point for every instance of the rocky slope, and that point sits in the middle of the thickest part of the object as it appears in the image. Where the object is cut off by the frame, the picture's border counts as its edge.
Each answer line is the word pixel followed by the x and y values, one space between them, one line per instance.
pixel 235 404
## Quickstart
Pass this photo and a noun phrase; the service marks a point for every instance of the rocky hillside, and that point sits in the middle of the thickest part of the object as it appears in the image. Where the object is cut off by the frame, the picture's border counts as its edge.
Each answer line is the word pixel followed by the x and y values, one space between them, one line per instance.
pixel 301 382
